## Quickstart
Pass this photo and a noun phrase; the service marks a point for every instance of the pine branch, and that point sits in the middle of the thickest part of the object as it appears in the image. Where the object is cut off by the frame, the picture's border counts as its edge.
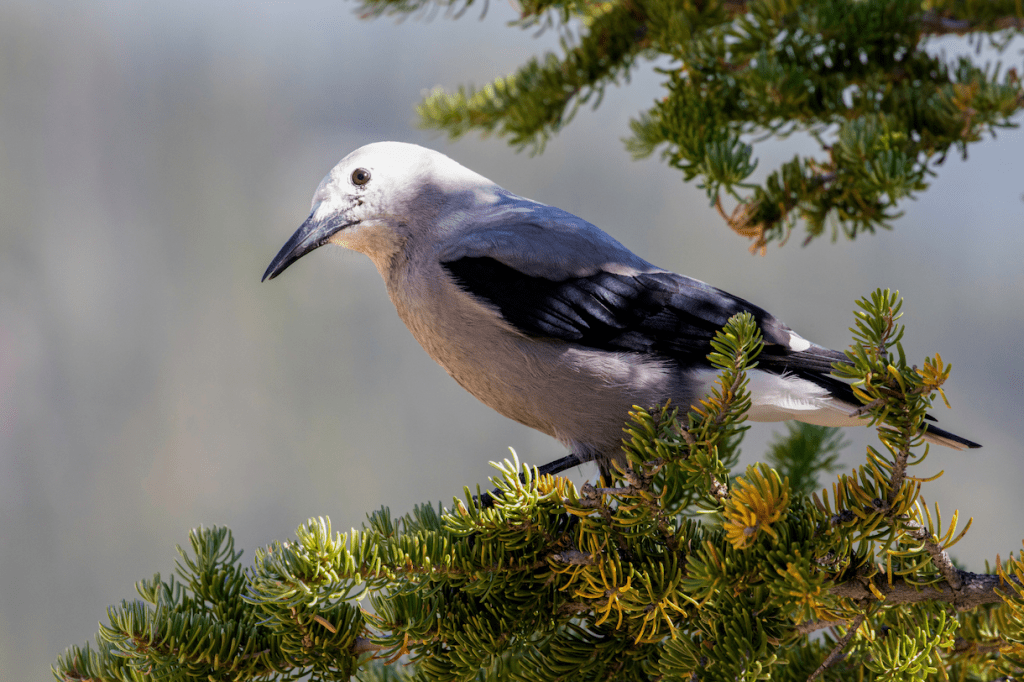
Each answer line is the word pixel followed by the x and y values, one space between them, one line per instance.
pixel 833 657
pixel 976 589
pixel 935 23
pixel 856 75
pixel 612 582
pixel 543 96
pixel 940 558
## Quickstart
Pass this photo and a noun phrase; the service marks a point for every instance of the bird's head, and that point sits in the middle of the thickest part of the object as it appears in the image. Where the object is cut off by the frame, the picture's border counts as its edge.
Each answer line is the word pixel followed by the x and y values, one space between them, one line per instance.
pixel 374 200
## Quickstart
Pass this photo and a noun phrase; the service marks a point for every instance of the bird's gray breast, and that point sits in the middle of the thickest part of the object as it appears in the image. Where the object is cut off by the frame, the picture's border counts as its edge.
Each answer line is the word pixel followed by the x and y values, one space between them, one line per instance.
pixel 579 395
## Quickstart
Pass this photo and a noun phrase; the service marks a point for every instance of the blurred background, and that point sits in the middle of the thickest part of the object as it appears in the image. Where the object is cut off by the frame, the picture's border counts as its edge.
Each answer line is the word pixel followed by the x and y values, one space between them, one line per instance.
pixel 155 156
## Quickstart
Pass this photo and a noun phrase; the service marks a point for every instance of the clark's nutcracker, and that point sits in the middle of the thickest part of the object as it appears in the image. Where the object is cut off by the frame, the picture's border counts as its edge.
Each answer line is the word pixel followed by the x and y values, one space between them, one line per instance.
pixel 544 317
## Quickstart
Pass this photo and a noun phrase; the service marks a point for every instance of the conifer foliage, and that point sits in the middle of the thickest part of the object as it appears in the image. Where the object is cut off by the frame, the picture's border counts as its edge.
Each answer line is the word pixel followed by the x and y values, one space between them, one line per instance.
pixel 862 77
pixel 678 569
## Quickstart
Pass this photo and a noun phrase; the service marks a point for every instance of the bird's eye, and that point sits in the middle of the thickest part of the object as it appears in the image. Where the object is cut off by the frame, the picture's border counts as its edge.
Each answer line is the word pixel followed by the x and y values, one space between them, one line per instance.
pixel 360 176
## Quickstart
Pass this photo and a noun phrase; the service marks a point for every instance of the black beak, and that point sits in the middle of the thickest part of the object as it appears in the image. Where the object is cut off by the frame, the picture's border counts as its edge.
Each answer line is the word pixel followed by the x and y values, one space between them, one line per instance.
pixel 311 234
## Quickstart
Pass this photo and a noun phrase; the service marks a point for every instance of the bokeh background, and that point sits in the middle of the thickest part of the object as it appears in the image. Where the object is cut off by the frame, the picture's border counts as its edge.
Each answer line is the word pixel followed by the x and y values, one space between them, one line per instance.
pixel 155 155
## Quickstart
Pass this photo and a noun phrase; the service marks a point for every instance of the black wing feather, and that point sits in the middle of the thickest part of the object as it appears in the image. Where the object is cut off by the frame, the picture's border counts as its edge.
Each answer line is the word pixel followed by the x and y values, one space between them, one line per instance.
pixel 660 312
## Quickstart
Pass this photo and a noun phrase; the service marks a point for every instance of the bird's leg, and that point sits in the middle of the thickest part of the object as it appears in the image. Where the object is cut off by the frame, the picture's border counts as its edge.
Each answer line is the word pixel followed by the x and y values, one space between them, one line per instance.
pixel 556 467
pixel 559 465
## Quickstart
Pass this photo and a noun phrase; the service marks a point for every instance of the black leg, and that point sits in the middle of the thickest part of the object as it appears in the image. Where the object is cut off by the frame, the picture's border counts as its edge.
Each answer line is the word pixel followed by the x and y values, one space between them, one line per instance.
pixel 559 465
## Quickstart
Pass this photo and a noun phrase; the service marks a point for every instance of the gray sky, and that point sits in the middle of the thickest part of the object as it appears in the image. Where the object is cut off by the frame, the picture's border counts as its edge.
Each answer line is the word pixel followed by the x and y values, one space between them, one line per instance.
pixel 155 156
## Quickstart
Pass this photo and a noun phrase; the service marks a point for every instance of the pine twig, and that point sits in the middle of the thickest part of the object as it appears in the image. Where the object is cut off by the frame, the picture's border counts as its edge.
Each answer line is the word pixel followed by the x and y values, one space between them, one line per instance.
pixel 837 652
pixel 976 589
pixel 933 23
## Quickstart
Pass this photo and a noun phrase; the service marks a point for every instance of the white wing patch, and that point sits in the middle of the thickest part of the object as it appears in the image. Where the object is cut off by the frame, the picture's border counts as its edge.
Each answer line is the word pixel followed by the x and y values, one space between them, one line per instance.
pixel 797 342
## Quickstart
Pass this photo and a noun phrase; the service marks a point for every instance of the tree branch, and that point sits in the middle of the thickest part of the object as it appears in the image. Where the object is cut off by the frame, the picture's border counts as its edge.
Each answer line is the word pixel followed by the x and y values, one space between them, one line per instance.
pixel 976 589
pixel 940 558
pixel 934 23
pixel 837 652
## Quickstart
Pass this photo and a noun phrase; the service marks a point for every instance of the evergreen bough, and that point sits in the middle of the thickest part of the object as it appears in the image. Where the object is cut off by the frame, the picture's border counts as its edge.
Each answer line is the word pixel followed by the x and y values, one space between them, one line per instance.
pixel 678 569
pixel 856 75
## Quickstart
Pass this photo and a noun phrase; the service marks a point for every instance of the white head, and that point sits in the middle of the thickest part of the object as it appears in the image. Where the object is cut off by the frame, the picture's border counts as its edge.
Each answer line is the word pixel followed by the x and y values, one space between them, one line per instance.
pixel 375 199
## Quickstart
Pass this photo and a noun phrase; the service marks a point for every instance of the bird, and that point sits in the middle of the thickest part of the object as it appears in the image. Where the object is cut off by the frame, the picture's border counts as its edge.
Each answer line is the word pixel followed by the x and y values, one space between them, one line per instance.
pixel 543 316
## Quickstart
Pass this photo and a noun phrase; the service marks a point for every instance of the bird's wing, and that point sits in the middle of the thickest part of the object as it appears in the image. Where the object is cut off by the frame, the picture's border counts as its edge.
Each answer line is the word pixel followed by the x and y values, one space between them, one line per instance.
pixel 655 312
pixel 556 276
pixel 538 241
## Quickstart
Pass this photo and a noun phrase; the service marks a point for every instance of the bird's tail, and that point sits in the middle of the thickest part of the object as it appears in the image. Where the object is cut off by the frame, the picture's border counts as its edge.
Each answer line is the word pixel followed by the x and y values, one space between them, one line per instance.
pixel 934 434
